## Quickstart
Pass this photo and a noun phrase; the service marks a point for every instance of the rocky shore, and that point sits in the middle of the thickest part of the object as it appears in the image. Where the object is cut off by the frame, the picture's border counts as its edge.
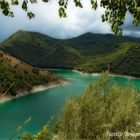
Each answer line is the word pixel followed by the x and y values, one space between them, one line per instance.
pixel 35 89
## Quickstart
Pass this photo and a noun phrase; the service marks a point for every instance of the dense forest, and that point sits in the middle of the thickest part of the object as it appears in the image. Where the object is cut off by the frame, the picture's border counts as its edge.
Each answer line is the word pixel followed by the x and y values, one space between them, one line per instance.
pixel 88 52
pixel 16 75
pixel 124 60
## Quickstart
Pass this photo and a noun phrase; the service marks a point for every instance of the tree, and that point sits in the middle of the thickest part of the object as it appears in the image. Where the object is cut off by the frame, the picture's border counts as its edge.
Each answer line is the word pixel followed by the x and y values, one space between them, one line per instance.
pixel 103 110
pixel 115 12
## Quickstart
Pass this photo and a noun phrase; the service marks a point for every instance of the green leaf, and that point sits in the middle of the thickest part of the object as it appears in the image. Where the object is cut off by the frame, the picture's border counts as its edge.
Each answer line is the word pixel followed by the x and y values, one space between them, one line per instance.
pixel 24 5
pixel 30 15
pixel 14 2
pixel 33 1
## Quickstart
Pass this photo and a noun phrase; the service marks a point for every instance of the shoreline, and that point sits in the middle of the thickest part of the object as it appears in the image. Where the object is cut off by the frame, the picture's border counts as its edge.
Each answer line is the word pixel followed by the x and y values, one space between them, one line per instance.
pixel 50 85
pixel 34 90
pixel 98 74
pixel 111 74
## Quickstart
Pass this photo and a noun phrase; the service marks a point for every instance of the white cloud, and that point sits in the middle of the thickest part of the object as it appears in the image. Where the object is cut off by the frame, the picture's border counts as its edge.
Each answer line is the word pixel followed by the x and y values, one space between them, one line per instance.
pixel 47 20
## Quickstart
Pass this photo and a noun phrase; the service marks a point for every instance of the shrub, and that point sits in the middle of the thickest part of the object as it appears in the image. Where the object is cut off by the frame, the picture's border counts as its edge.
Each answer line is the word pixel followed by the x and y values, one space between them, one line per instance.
pixel 1 54
pixel 104 108
pixel 35 70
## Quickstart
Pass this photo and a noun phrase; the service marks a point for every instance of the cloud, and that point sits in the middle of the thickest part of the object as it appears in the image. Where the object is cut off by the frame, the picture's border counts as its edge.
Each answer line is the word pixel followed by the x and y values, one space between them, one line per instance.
pixel 47 21
pixel 129 28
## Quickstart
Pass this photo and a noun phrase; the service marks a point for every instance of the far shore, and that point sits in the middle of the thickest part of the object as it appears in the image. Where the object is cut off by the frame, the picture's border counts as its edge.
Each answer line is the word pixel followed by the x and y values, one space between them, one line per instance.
pixel 111 74
pixel 35 89
pixel 98 74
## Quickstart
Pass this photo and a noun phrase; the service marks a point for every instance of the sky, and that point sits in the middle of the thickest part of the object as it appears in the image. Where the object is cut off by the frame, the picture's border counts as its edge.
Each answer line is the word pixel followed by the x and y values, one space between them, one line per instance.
pixel 47 21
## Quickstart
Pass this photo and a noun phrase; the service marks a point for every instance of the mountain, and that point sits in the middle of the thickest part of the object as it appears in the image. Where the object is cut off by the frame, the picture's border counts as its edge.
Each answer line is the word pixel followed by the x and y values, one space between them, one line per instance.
pixel 124 60
pixel 88 52
pixel 28 46
pixel 40 50
pixel 60 56
pixel 16 75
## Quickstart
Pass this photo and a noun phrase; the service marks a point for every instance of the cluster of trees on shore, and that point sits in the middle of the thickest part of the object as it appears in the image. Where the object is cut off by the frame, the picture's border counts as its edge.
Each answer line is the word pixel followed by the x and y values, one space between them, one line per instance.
pixel 16 75
pixel 105 109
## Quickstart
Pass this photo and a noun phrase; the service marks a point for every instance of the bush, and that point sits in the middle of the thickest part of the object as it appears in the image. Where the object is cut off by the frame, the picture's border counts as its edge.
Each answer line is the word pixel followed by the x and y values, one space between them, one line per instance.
pixel 35 70
pixel 1 54
pixel 104 108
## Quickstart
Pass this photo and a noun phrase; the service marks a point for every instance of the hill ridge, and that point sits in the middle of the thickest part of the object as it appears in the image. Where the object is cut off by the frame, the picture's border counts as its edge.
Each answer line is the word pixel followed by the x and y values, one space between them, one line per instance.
pixel 43 51
pixel 20 75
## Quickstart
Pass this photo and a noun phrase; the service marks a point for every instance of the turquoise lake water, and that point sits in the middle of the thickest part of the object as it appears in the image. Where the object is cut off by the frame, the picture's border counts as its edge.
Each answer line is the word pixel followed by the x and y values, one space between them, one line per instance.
pixel 42 106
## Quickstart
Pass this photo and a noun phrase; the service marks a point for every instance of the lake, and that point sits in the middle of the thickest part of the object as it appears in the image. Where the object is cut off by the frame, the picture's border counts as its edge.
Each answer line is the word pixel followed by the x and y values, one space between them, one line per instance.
pixel 45 104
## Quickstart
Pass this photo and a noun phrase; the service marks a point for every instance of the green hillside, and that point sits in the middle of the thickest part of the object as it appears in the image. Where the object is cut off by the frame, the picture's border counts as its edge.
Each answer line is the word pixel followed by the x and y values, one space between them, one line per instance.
pixel 124 60
pixel 40 50
pixel 88 52
pixel 93 45
pixel 27 46
pixel 60 57
pixel 16 75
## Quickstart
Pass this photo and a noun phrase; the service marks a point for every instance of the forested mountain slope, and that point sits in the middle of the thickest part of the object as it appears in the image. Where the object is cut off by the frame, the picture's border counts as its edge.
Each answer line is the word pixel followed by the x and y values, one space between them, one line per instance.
pixel 88 52
pixel 124 60
pixel 15 75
